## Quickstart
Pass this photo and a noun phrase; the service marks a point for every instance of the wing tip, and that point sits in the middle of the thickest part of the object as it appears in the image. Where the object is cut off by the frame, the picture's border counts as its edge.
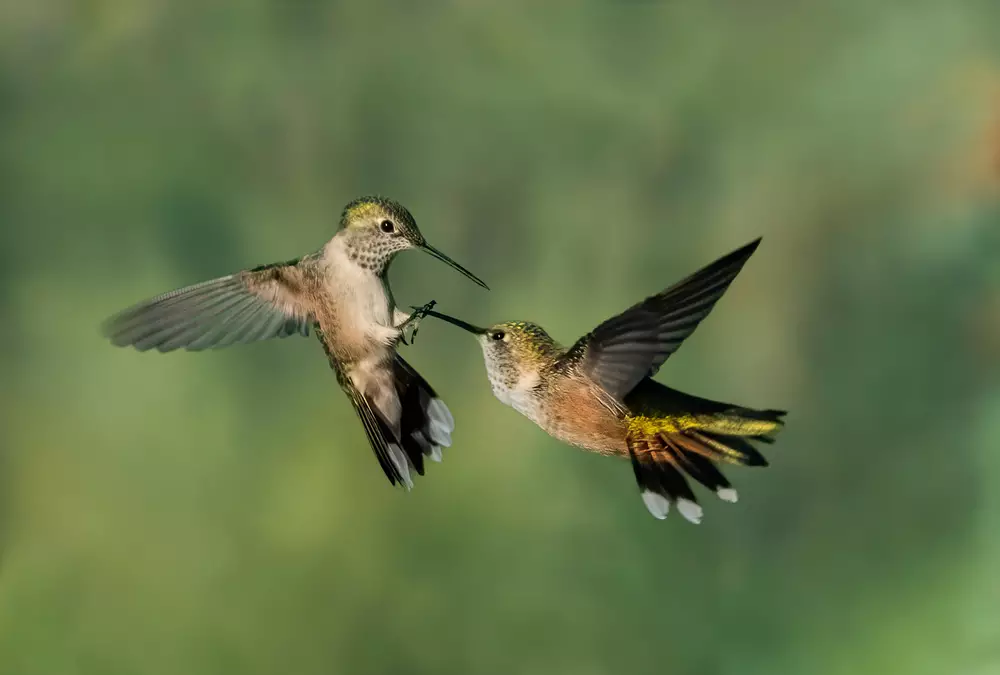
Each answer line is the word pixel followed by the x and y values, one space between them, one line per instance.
pixel 744 252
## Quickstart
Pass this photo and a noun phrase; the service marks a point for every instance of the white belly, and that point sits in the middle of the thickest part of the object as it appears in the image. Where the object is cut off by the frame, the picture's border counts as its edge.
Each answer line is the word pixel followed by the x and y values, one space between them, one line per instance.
pixel 362 300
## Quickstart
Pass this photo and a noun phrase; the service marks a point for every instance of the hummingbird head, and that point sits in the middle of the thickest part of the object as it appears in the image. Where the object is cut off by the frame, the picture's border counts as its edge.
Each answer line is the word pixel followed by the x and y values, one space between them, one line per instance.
pixel 514 353
pixel 375 229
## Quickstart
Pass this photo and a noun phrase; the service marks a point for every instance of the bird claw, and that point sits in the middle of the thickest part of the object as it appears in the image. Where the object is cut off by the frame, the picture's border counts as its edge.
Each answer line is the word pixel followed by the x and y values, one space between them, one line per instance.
pixel 414 321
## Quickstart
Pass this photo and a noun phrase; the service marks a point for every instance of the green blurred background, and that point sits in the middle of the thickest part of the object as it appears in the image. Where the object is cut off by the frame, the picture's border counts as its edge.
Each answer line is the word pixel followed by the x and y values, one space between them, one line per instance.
pixel 221 513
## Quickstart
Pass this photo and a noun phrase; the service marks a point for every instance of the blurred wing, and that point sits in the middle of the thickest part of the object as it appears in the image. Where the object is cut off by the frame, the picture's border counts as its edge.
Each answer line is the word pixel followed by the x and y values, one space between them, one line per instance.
pixel 265 302
pixel 623 350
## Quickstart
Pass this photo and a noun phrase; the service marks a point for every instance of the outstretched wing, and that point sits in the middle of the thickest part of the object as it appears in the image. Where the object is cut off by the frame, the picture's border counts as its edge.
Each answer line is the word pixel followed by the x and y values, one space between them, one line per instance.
pixel 257 304
pixel 623 350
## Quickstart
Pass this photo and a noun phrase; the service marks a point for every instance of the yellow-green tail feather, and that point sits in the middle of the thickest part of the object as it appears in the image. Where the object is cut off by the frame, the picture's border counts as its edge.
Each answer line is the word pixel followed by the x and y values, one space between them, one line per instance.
pixel 671 435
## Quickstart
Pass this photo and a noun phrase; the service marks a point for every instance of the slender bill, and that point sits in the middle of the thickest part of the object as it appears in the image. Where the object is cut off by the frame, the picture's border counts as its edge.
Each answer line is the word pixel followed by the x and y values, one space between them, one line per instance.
pixel 476 330
pixel 451 263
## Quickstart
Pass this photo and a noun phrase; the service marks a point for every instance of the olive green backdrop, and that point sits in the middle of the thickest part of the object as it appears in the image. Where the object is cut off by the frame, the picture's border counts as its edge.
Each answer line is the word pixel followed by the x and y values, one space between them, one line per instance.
pixel 221 513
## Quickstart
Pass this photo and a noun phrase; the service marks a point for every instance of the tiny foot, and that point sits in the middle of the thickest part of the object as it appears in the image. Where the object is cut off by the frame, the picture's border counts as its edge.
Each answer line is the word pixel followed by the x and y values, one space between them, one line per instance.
pixel 414 321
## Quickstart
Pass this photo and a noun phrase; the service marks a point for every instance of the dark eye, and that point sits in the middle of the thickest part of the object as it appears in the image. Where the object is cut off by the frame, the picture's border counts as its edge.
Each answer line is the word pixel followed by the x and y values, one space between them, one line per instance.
pixel 498 335
pixel 387 226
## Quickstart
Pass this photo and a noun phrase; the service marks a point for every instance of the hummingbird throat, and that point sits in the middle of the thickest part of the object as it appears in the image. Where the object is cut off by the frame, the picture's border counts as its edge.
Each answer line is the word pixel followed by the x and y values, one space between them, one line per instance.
pixel 370 254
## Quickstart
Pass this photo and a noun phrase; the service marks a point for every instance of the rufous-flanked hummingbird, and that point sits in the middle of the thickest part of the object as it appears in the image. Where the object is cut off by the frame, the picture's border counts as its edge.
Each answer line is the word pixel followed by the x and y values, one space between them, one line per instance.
pixel 599 394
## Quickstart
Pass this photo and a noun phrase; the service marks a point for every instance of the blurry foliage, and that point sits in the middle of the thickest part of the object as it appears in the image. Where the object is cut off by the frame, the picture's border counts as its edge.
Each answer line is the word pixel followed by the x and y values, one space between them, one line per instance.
pixel 217 513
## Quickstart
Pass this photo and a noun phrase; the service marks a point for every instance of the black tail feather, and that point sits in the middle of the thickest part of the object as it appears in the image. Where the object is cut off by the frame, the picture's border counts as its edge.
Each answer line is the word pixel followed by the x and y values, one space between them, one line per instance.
pixel 661 459
pixel 702 470
pixel 425 423
pixel 660 480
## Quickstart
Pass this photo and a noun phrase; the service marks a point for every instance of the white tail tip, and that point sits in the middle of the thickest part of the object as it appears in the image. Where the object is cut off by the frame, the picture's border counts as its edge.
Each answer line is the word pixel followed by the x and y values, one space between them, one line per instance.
pixel 657 504
pixel 691 511
pixel 727 495
pixel 437 410
pixel 440 434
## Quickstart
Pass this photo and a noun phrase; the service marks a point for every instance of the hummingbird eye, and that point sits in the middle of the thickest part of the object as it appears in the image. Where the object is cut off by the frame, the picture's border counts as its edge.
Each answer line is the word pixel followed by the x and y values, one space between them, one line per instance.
pixel 498 335
pixel 387 226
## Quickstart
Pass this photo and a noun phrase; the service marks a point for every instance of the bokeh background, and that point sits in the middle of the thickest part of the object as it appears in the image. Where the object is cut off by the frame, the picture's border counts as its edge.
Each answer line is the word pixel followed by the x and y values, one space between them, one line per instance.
pixel 221 513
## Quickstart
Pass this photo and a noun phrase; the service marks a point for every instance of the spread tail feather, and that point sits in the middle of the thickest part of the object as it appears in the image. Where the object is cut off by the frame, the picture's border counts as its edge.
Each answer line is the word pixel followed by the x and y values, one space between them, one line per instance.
pixel 426 423
pixel 663 450
pixel 419 426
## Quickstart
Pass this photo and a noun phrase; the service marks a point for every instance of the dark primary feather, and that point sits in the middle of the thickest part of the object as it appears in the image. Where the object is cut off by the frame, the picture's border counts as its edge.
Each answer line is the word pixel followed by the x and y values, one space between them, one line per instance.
pixel 623 350
pixel 380 436
pixel 650 397
pixel 248 306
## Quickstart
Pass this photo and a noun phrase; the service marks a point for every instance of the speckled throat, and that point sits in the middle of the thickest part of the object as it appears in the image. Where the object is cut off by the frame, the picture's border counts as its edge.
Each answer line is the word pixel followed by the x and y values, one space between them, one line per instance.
pixel 371 254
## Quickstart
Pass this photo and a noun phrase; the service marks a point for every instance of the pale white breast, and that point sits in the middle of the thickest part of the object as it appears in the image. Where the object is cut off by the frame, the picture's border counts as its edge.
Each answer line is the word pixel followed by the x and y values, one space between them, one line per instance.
pixel 521 397
pixel 361 298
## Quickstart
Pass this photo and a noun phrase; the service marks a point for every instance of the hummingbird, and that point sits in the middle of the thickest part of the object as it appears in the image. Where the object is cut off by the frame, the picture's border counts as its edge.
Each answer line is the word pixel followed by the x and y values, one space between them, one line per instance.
pixel 340 291
pixel 599 394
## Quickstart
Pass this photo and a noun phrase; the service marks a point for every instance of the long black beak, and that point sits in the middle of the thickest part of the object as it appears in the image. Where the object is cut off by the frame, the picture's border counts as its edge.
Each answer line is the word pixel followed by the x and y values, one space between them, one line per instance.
pixel 475 330
pixel 451 263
